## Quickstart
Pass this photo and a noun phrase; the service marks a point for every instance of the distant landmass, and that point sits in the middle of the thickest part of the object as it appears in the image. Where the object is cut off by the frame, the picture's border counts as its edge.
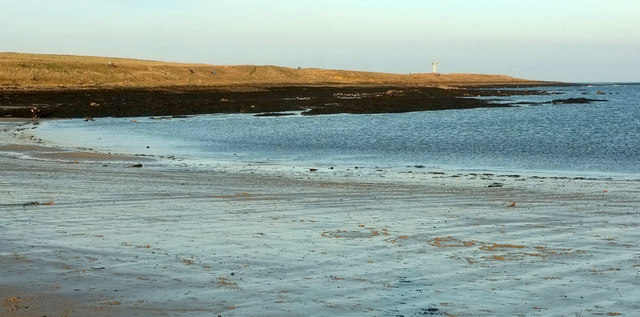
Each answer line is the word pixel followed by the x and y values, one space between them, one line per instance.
pixel 34 71
pixel 66 86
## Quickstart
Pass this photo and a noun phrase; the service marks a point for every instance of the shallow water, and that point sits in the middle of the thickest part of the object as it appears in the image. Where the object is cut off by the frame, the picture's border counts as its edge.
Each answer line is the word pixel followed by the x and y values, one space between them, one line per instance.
pixel 601 138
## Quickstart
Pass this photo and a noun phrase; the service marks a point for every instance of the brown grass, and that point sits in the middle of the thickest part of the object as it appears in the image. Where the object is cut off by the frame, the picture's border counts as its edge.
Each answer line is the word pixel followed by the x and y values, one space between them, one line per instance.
pixel 37 71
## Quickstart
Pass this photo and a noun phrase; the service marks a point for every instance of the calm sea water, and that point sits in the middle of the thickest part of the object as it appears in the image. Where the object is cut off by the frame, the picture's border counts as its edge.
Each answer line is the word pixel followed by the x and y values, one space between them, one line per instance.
pixel 599 138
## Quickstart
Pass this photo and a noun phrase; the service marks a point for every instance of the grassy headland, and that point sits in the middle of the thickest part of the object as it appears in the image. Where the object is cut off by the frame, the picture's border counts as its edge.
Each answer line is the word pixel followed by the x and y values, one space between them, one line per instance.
pixel 63 86
pixel 37 71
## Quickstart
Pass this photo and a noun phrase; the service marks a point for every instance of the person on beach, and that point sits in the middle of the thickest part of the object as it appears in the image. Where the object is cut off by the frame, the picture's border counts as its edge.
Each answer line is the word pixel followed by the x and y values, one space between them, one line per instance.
pixel 36 113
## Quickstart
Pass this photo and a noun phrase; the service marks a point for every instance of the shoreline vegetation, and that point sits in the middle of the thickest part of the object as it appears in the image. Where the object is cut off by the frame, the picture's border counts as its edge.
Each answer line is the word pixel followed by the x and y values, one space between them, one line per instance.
pixel 64 86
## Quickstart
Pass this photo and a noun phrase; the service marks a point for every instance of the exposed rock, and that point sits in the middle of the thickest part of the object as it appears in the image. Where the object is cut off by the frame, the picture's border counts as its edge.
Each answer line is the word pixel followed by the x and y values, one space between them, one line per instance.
pixel 574 101
pixel 165 103
pixel 274 114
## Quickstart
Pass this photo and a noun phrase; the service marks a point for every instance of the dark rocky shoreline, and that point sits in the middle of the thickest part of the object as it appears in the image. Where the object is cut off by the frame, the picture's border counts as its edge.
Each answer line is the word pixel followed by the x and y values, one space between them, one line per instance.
pixel 81 103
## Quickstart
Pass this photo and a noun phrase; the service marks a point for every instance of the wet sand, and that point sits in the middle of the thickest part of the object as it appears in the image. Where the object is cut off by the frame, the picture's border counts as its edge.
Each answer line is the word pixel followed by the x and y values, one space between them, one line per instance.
pixel 50 153
pixel 99 238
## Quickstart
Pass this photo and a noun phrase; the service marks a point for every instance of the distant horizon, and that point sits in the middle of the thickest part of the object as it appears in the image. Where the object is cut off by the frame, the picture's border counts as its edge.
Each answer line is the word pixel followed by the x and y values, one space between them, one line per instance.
pixel 596 41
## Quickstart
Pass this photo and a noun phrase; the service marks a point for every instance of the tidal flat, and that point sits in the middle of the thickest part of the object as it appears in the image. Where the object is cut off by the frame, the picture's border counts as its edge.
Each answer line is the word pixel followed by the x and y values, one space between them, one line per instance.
pixel 130 236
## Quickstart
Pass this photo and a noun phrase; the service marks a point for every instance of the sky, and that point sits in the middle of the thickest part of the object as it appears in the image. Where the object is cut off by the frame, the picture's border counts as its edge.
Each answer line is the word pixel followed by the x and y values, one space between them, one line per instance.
pixel 575 41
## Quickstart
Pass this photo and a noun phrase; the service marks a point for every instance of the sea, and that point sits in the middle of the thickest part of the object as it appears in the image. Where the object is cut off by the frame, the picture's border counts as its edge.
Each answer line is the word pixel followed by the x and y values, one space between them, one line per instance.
pixel 599 139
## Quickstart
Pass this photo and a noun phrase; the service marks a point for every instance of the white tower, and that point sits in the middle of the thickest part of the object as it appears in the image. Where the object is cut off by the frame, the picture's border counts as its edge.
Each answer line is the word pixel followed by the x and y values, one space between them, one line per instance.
pixel 435 67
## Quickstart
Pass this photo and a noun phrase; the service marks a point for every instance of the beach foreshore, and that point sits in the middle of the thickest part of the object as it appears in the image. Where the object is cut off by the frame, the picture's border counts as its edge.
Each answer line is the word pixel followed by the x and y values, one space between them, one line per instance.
pixel 87 233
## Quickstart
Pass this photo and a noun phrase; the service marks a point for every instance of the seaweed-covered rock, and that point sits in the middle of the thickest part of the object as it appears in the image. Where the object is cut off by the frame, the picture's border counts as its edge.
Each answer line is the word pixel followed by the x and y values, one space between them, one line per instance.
pixel 574 101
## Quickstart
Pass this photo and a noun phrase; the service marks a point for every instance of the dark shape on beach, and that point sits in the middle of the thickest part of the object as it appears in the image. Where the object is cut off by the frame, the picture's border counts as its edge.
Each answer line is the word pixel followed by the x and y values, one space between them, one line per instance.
pixel 496 185
pixel 430 311
pixel 135 166
pixel 274 114
pixel 35 203
pixel 35 111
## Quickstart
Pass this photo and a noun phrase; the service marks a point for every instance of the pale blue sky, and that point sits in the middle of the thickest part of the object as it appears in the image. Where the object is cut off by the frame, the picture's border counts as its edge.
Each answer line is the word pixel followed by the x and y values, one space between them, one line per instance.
pixel 581 40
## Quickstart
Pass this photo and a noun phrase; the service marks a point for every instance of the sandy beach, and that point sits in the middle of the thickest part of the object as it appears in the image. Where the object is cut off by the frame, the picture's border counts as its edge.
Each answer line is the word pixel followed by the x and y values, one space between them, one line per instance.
pixel 91 234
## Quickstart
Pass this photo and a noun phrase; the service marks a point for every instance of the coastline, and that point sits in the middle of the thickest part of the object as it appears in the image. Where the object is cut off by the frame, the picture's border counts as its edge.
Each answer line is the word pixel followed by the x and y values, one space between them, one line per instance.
pixel 312 100
pixel 17 142
pixel 70 86
pixel 46 147
pixel 109 240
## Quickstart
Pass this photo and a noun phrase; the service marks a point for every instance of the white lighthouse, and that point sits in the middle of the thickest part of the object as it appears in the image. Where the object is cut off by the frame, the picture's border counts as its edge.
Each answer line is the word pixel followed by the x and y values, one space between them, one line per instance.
pixel 435 67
